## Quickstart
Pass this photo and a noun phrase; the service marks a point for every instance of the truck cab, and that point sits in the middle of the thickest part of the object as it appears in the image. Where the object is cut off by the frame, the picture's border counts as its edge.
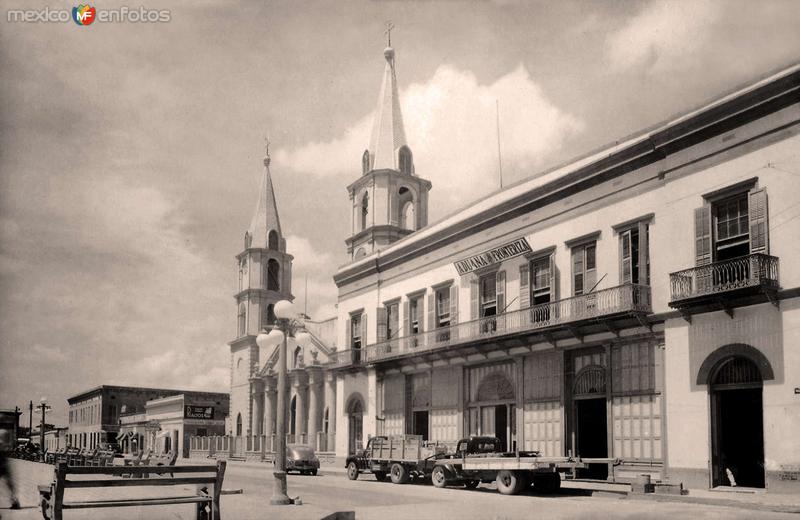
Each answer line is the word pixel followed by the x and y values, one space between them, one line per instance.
pixel 359 462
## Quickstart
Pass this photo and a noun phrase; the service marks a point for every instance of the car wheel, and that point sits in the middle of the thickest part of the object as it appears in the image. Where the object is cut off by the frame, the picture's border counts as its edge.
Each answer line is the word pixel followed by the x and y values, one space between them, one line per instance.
pixel 380 476
pixel 399 474
pixel 439 477
pixel 352 471
pixel 509 482
pixel 472 484
pixel 313 472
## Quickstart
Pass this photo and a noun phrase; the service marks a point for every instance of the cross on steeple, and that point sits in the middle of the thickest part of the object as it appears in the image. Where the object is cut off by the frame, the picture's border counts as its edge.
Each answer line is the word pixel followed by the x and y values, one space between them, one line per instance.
pixel 388 32
pixel 266 146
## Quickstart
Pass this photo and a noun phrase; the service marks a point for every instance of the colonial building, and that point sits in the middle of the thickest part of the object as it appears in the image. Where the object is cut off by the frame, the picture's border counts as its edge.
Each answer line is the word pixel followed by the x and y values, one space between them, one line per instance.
pixel 628 304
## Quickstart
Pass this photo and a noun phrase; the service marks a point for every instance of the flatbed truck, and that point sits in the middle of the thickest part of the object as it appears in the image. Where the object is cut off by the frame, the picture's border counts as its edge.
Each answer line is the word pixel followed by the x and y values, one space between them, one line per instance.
pixel 401 457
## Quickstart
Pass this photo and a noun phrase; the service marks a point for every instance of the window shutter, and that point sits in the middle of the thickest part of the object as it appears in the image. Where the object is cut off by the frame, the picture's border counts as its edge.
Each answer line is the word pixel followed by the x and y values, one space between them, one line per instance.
pixel 524 286
pixel 473 297
pixel 625 257
pixel 348 335
pixel 702 235
pixel 432 311
pixel 644 253
pixel 406 318
pixel 759 231
pixel 453 304
pixel 501 292
pixel 380 312
pixel 553 287
pixel 364 329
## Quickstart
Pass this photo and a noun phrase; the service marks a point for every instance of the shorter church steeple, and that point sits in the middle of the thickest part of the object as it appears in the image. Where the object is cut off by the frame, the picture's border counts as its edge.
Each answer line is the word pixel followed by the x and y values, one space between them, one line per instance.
pixel 265 228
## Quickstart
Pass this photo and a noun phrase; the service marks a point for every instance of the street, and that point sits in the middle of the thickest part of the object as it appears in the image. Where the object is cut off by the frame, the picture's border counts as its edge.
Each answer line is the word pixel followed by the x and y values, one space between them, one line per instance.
pixel 332 491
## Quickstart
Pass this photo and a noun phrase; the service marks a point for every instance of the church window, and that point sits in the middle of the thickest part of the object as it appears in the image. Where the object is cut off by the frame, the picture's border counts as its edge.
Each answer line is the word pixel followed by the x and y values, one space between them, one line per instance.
pixel 242 321
pixel 268 317
pixel 273 275
pixel 365 162
pixel 242 273
pixel 364 211
pixel 405 161
pixel 238 424
pixel 272 241
pixel 405 203
pixel 247 240
pixel 296 362
pixel 360 253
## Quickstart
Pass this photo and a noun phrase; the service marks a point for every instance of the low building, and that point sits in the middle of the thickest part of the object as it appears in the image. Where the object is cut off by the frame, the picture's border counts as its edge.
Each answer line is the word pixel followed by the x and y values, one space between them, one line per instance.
pixel 54 438
pixel 9 425
pixel 167 423
pixel 94 415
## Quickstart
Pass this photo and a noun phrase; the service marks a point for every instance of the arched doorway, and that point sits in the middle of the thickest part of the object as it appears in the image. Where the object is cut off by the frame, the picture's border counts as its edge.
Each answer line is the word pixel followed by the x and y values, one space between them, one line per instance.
pixel 238 424
pixel 591 415
pixel 493 412
pixel 737 423
pixel 355 424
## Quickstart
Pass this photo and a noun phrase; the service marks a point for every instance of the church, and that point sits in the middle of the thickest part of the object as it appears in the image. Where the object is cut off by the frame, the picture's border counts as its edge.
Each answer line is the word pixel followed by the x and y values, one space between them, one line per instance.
pixel 628 306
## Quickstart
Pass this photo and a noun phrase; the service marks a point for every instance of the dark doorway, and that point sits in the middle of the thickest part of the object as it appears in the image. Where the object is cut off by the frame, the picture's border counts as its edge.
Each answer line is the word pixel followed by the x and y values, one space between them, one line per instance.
pixel 421 424
pixel 592 435
pixel 501 424
pixel 355 425
pixel 738 457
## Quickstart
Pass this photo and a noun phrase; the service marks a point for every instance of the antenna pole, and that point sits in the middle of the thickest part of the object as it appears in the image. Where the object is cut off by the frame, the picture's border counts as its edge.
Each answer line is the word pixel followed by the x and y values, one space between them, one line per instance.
pixel 499 156
pixel 305 299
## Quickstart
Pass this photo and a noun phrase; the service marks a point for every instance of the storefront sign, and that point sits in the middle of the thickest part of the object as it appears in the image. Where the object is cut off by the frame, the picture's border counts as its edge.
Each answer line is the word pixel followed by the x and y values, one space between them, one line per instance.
pixel 493 256
pixel 198 412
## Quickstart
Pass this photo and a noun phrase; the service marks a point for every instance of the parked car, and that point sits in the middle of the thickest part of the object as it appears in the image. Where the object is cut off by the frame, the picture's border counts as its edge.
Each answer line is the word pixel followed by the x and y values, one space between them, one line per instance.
pixel 301 458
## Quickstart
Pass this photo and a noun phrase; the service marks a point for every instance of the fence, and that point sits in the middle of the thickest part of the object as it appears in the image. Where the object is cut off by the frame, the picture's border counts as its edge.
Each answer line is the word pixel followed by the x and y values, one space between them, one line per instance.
pixel 252 447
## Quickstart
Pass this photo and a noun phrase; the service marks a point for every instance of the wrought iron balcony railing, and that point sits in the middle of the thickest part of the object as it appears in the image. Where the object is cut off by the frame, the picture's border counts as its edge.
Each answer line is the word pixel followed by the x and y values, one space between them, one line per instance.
pixel 756 270
pixel 621 299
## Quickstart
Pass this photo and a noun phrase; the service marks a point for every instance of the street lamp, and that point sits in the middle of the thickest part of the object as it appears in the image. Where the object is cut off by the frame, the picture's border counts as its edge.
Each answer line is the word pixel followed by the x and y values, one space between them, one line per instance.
pixel 43 407
pixel 286 326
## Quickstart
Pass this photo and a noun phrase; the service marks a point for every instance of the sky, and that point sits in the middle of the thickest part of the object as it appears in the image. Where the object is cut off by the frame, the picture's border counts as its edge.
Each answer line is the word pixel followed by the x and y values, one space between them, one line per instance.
pixel 131 153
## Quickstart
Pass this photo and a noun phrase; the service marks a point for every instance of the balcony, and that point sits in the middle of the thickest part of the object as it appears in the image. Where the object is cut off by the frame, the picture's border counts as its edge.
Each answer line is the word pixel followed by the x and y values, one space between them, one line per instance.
pixel 571 317
pixel 724 285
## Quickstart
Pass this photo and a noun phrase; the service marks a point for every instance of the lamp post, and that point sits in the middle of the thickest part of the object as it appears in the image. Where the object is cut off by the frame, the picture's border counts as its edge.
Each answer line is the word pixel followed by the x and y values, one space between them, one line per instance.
pixel 42 407
pixel 286 327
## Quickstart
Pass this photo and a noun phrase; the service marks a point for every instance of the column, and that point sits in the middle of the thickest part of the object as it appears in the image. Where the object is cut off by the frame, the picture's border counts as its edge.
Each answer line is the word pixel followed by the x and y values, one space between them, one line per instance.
pixel 255 417
pixel 315 382
pixel 330 406
pixel 370 425
pixel 301 425
pixel 270 409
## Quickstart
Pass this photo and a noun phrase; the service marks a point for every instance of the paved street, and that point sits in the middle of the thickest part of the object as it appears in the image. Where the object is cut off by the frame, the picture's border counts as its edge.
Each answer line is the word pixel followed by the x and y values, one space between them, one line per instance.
pixel 382 500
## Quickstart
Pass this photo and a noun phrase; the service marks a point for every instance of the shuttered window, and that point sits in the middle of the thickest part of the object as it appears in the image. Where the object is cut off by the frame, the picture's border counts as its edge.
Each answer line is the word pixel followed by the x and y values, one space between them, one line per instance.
pixel 355 334
pixel 415 310
pixel 488 295
pixel 732 227
pixel 443 307
pixel 634 256
pixel 392 320
pixel 584 268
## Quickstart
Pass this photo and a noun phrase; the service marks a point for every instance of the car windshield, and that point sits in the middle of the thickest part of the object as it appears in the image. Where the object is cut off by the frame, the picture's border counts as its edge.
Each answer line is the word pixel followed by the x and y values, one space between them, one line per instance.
pixel 300 451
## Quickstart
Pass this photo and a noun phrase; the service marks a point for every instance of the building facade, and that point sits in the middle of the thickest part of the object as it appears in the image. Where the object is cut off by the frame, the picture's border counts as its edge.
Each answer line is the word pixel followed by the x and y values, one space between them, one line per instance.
pixel 639 303
pixel 94 415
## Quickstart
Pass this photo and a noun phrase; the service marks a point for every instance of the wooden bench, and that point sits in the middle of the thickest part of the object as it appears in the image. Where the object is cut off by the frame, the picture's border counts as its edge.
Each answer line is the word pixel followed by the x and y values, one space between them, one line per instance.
pixel 208 506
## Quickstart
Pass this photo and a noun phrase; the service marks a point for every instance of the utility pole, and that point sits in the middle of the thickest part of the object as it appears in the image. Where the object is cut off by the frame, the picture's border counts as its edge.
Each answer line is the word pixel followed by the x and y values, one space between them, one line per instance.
pixel 43 407
pixel 30 420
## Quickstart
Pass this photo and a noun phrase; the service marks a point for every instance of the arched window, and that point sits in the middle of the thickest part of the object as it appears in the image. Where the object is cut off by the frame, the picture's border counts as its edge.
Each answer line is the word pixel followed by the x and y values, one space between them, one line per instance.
pixel 273 275
pixel 405 160
pixel 360 253
pixel 238 424
pixel 408 213
pixel 365 162
pixel 325 422
pixel 296 357
pixel 242 270
pixel 242 321
pixel 272 241
pixel 364 211
pixel 247 240
pixel 268 316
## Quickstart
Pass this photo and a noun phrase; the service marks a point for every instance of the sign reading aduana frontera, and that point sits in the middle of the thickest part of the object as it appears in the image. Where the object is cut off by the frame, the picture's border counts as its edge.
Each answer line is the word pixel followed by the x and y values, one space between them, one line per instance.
pixel 493 256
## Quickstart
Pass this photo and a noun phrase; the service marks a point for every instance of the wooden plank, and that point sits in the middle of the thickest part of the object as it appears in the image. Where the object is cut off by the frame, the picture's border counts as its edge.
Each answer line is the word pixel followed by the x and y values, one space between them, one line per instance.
pixel 138 502
pixel 58 499
pixel 139 482
pixel 119 470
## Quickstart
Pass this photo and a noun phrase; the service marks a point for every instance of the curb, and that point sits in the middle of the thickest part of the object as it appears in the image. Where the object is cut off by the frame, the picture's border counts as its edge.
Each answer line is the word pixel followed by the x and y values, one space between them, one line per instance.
pixel 740 504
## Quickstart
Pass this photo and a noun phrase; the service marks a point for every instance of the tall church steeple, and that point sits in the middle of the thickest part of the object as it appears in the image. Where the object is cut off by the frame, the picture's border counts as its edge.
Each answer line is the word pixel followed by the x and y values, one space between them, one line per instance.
pixel 389 201
pixel 265 277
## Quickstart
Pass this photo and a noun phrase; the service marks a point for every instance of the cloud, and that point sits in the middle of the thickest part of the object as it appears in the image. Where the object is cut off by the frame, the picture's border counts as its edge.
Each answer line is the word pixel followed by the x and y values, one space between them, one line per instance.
pixel 316 267
pixel 664 35
pixel 450 126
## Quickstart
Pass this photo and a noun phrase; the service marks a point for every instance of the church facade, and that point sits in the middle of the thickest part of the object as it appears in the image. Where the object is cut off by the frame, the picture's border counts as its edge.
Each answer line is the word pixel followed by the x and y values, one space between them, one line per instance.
pixel 639 304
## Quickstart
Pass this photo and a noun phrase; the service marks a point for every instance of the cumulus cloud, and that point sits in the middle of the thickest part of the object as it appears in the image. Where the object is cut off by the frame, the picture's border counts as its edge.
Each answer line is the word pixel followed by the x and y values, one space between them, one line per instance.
pixel 450 126
pixel 663 35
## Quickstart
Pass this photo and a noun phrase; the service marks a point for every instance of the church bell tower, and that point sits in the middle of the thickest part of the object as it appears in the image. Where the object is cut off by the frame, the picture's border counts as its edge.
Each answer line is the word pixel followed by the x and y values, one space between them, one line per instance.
pixel 389 200
pixel 264 278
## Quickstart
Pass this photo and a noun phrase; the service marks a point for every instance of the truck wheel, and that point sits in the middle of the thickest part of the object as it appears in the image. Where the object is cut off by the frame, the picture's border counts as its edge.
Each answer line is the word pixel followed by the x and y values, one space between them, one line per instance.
pixel 439 477
pixel 471 484
pixel 380 476
pixel 399 474
pixel 509 482
pixel 352 471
